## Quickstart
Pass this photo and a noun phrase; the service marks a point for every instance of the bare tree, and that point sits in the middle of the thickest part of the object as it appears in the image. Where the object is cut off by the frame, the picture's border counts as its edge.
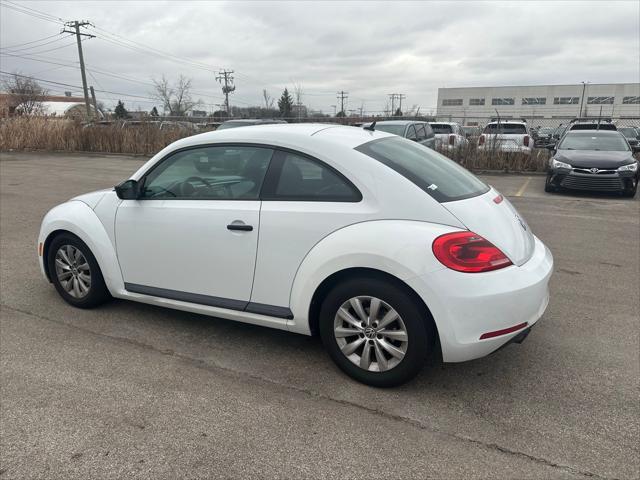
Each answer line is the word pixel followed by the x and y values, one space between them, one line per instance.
pixel 297 91
pixel 268 100
pixel 176 99
pixel 26 93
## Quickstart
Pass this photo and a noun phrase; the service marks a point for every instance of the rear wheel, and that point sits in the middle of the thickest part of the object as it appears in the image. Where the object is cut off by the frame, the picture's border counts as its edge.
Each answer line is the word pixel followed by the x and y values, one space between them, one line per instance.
pixel 375 332
pixel 75 273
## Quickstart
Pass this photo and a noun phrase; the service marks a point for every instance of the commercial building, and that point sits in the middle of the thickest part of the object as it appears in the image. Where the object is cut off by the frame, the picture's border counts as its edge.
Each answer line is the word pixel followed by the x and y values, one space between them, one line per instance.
pixel 619 100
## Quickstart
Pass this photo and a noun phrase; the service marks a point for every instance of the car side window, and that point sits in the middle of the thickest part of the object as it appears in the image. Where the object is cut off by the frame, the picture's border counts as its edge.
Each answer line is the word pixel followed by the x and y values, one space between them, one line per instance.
pixel 421 134
pixel 428 131
pixel 297 177
pixel 411 133
pixel 209 173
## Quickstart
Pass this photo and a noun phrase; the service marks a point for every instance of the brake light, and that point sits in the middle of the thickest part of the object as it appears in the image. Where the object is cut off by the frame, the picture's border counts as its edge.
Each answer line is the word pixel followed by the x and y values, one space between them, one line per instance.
pixel 481 140
pixel 526 140
pixel 452 140
pixel 468 252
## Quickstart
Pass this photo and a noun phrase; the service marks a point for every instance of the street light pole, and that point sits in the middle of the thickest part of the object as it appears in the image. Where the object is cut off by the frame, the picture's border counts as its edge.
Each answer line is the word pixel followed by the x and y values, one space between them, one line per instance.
pixel 584 87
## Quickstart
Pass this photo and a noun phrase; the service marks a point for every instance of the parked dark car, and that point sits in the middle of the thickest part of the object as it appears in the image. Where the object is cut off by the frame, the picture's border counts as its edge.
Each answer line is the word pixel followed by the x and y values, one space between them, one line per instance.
pixel 632 134
pixel 245 122
pixel 420 132
pixel 543 136
pixel 599 160
pixel 591 124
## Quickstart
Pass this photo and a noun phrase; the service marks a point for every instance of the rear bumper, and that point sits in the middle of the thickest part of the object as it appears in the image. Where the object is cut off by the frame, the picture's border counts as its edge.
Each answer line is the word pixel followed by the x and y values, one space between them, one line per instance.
pixel 514 148
pixel 466 306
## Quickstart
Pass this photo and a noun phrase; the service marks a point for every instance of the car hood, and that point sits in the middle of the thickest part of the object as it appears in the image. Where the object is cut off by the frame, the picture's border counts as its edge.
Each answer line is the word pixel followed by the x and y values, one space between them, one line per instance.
pixel 594 158
pixel 92 198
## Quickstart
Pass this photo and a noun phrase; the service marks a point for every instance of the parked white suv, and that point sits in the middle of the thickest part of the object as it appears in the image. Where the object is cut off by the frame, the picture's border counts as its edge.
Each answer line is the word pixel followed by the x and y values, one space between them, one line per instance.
pixel 381 245
pixel 449 135
pixel 506 136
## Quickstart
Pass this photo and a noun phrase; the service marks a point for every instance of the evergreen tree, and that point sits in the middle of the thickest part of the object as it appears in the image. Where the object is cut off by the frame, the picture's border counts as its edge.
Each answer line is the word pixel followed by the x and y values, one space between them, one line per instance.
pixel 154 112
pixel 120 111
pixel 285 104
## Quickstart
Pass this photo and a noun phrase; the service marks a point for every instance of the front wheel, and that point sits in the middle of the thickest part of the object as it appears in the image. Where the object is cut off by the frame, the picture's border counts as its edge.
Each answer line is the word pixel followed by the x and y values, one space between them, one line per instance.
pixel 75 273
pixel 375 331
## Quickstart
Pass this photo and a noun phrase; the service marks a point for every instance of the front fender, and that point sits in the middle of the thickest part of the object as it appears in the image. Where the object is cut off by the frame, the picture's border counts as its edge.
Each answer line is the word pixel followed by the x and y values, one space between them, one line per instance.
pixel 78 218
pixel 401 248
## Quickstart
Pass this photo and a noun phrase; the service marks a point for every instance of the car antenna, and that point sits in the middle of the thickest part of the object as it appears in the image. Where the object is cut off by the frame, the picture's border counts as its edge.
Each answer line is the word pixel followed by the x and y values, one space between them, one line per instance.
pixel 371 127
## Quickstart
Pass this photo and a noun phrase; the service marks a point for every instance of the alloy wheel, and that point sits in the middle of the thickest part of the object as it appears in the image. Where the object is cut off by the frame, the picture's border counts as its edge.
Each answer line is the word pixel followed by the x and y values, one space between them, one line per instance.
pixel 73 271
pixel 370 333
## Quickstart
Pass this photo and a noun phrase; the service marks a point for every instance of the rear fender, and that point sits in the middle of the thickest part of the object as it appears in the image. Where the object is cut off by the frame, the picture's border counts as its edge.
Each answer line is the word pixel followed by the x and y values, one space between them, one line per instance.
pixel 400 248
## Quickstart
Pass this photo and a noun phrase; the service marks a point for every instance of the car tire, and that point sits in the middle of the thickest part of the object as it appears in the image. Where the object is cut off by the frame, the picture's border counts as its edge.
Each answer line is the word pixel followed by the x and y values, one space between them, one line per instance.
pixel 411 334
pixel 548 187
pixel 630 192
pixel 75 273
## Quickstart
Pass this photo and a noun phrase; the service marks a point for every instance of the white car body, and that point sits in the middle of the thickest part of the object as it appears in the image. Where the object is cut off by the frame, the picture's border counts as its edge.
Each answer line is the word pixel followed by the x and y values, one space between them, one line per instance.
pixel 506 141
pixel 453 139
pixel 269 276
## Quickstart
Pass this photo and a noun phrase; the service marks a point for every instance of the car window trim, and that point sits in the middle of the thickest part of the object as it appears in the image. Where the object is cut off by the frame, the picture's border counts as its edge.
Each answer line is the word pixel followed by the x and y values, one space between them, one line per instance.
pixel 144 176
pixel 270 182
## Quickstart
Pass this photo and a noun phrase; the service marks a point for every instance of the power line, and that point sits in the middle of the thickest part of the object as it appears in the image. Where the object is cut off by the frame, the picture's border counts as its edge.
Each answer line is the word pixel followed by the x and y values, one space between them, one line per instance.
pixel 50 49
pixel 32 12
pixel 17 45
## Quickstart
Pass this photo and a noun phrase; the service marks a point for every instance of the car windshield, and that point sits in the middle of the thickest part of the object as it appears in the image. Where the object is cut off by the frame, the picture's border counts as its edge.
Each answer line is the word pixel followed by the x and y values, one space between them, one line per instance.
pixel 628 132
pixel 441 178
pixel 593 126
pixel 593 141
pixel 391 128
pixel 441 128
pixel 506 128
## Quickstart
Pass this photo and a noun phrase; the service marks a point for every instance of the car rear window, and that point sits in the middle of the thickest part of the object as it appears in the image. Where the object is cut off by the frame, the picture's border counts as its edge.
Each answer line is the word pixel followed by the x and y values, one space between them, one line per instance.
pixel 438 176
pixel 593 141
pixel 441 128
pixel 506 128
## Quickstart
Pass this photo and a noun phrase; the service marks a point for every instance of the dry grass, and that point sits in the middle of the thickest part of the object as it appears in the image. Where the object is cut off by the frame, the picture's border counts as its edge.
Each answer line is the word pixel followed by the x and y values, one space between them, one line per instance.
pixel 24 133
pixel 50 134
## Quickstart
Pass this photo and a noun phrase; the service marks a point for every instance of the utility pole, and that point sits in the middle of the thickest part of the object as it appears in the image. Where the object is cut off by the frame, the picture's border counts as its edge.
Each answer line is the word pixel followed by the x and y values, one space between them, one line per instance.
pixel 93 98
pixel 393 103
pixel 228 87
pixel 342 96
pixel 76 26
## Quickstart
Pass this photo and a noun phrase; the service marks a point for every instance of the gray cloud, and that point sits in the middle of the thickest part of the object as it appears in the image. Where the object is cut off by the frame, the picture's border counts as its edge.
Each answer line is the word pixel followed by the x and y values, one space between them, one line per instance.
pixel 367 48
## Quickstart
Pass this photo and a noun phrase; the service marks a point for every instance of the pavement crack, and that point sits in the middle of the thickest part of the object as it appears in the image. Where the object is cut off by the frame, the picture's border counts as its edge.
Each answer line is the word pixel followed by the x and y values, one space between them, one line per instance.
pixel 199 363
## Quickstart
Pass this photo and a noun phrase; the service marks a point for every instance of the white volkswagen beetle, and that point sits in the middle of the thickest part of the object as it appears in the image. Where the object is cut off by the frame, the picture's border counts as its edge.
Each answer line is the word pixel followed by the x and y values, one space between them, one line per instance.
pixel 385 248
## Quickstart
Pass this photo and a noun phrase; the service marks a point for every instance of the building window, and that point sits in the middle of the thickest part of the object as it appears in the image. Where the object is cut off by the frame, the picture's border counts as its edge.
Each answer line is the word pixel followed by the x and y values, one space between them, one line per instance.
pixel 566 100
pixel 503 101
pixel 534 101
pixel 452 102
pixel 476 101
pixel 631 100
pixel 600 100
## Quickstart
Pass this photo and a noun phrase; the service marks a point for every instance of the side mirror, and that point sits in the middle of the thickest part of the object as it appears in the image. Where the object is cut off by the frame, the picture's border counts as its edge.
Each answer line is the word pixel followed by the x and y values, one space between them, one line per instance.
pixel 636 148
pixel 128 190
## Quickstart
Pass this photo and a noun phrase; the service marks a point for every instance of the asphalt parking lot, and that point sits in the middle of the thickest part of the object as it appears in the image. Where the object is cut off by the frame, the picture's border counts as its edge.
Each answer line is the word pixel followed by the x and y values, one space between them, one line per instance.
pixel 139 391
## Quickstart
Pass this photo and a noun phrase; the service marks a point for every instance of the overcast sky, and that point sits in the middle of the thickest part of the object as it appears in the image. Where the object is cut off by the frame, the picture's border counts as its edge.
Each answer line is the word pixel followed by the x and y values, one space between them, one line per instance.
pixel 369 49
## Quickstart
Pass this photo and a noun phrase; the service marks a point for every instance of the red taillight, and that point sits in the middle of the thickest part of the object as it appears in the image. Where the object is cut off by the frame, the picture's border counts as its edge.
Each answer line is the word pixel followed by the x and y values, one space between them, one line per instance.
pixel 481 140
pixel 468 252
pixel 452 140
pixel 526 140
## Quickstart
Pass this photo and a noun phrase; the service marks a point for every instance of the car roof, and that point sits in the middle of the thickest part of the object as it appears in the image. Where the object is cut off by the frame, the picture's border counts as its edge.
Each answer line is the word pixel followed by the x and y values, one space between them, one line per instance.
pixel 590 133
pixel 397 122
pixel 444 123
pixel 287 134
pixel 508 120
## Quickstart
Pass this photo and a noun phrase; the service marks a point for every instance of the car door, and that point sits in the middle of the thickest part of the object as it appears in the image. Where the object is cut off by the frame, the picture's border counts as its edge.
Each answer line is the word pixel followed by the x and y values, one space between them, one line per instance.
pixel 304 200
pixel 430 136
pixel 193 233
